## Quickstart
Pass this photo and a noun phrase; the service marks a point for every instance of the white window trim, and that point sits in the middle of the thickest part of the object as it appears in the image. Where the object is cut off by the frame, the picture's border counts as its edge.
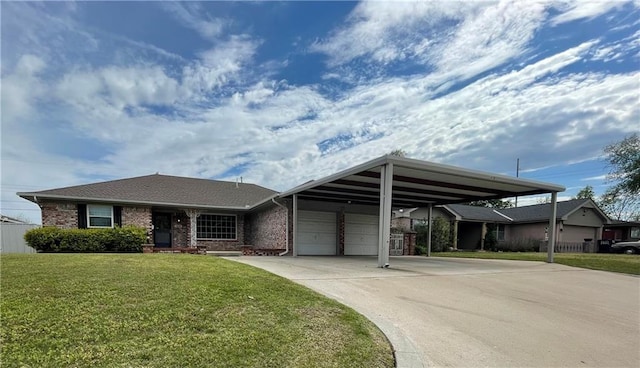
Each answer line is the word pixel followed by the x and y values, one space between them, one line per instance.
pixel 99 227
pixel 218 239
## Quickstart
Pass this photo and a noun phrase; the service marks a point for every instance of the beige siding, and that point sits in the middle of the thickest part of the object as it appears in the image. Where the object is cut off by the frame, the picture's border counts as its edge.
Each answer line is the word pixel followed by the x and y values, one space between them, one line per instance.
pixel 423 213
pixel 585 217
pixel 577 234
pixel 528 231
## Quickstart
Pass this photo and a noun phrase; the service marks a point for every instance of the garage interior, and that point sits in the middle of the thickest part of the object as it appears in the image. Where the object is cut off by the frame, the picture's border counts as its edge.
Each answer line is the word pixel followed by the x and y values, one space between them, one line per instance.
pixel 368 193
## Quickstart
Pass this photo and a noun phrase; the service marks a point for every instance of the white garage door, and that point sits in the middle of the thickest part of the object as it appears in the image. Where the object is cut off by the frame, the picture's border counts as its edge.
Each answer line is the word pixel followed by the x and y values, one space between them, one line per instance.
pixel 316 233
pixel 360 235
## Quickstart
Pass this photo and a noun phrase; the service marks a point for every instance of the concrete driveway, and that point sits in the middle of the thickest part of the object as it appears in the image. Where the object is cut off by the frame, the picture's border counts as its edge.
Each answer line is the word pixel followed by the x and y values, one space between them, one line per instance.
pixel 471 312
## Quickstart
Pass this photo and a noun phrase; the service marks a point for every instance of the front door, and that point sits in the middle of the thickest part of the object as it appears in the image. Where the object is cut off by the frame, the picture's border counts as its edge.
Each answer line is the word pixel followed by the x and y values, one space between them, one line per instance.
pixel 162 230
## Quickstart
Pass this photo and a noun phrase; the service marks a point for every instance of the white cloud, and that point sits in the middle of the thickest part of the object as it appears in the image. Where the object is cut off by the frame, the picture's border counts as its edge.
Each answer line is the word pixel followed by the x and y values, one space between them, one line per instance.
pixel 130 86
pixel 577 10
pixel 217 65
pixel 21 89
pixel 386 31
pixel 191 15
pixel 203 116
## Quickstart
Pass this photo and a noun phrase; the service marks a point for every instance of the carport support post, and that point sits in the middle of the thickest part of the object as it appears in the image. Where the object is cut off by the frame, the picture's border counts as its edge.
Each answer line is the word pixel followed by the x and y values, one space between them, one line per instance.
pixel 386 188
pixel 552 227
pixel 430 222
pixel 295 225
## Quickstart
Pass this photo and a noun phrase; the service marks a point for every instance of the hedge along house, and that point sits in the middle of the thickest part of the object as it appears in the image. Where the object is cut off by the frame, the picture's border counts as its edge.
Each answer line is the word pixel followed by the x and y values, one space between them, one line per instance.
pixel 347 213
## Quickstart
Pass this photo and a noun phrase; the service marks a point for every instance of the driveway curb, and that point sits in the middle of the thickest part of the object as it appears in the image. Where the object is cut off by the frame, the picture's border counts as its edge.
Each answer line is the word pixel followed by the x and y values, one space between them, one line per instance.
pixel 405 351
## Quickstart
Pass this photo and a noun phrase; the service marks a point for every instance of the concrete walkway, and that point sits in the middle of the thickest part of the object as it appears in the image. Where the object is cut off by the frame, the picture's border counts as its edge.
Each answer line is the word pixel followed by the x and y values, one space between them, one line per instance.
pixel 471 312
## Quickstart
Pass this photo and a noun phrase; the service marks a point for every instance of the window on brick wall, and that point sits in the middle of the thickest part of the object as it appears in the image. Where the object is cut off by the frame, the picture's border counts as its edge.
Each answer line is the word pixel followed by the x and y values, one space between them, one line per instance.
pixel 99 215
pixel 216 227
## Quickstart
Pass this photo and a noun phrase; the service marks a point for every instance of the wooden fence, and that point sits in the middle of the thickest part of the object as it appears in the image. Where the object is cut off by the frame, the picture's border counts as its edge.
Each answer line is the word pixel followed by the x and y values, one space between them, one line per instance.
pixel 12 238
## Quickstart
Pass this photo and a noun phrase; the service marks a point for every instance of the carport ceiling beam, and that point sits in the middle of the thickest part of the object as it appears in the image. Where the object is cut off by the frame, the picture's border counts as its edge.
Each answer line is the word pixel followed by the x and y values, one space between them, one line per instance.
pixel 402 204
pixel 370 195
pixel 408 179
pixel 335 200
pixel 444 192
pixel 500 196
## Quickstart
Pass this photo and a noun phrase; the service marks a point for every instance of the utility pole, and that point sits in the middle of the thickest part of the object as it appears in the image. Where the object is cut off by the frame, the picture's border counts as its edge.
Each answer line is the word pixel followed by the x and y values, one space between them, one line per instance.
pixel 517 175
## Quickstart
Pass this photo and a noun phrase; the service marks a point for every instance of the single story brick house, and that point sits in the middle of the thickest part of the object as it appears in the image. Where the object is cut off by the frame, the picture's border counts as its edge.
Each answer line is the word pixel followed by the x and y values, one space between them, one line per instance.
pixel 577 221
pixel 347 213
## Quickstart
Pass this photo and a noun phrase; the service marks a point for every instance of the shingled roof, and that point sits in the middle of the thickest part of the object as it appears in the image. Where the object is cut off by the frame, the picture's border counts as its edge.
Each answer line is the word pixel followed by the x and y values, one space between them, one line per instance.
pixel 163 190
pixel 477 213
pixel 541 212
pixel 532 213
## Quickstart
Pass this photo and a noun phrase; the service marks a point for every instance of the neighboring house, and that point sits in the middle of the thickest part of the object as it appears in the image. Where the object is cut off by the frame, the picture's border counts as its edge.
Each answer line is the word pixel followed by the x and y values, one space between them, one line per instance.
pixel 11 220
pixel 12 232
pixel 347 213
pixel 621 231
pixel 578 221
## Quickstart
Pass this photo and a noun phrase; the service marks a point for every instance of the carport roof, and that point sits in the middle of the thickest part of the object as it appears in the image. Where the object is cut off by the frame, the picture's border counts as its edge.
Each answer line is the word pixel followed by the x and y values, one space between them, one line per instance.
pixel 417 183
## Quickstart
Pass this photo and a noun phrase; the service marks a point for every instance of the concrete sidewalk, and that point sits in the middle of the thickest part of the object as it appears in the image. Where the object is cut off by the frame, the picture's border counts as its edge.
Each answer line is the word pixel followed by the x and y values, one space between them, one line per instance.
pixel 470 312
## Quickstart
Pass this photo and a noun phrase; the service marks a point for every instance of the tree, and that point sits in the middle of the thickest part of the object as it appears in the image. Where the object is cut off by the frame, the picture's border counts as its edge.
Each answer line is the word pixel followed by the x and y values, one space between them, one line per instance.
pixel 440 235
pixel 622 200
pixel 586 193
pixel 543 200
pixel 492 203
pixel 620 205
pixel 398 152
pixel 624 162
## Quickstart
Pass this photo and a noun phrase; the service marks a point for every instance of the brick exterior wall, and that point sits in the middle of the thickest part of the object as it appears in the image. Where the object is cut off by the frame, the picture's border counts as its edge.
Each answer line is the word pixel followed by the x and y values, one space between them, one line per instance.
pixel 267 229
pixel 225 244
pixel 409 244
pixel 180 230
pixel 63 215
pixel 138 216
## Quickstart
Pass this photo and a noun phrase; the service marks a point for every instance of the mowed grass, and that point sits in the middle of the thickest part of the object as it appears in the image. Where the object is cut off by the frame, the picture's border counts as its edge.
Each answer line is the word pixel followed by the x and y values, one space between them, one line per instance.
pixel 623 263
pixel 143 310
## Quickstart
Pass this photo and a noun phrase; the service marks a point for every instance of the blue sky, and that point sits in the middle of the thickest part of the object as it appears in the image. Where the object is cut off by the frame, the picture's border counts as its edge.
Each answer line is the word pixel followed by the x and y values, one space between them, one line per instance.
pixel 284 92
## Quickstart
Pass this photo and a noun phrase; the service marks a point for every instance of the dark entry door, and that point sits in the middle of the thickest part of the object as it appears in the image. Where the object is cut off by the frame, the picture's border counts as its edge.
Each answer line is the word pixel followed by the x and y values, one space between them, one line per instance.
pixel 162 229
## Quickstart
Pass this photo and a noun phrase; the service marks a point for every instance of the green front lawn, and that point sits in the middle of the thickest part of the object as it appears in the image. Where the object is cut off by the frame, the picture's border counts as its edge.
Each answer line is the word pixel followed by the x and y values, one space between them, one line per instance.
pixel 144 310
pixel 623 263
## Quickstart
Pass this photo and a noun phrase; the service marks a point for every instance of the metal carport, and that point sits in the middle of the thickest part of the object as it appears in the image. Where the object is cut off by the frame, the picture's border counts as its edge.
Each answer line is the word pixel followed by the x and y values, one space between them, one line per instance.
pixel 391 181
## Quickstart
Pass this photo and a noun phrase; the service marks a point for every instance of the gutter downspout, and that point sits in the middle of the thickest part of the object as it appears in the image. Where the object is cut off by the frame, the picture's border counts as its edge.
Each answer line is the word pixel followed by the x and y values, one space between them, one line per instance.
pixel 286 233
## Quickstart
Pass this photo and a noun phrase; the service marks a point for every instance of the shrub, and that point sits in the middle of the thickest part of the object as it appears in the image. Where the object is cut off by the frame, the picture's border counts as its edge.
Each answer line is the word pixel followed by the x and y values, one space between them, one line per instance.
pixel 440 236
pixel 490 241
pixel 420 249
pixel 519 245
pixel 45 239
pixel 51 239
